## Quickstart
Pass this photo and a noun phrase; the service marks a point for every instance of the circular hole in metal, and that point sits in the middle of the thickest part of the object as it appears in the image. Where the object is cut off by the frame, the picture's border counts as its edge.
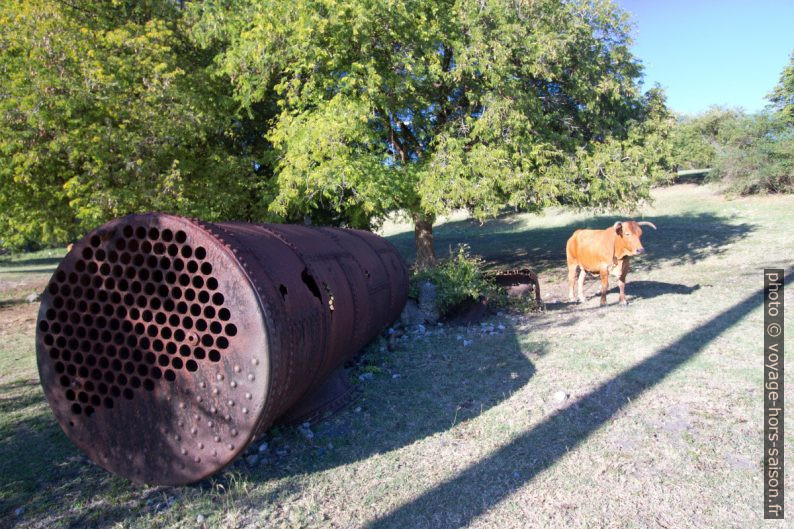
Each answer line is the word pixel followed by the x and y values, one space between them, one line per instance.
pixel 156 373
pixel 148 385
pixel 176 362
pixel 212 283
pixel 224 314
pixel 192 266
pixel 128 394
pixel 76 409
pixel 163 360
pixel 191 365
pixel 88 253
pixel 199 353
pixel 207 340
pixel 214 355
pixel 201 325
pixel 217 298
pixel 222 342
pixel 231 329
pixel 140 232
pixel 100 255
pixel 201 253
pixel 169 375
pixel 190 294
pixel 184 350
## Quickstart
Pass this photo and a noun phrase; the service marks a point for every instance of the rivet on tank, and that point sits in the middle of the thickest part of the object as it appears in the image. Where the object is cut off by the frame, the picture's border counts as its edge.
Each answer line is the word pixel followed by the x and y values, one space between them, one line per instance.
pixel 166 345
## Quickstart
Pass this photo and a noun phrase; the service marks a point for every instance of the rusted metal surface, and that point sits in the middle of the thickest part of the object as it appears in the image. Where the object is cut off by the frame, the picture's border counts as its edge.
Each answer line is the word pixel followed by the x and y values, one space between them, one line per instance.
pixel 519 282
pixel 166 345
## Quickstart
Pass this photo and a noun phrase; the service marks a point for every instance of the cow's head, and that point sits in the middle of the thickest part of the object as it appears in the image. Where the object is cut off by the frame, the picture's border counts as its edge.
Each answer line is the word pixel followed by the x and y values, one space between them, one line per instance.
pixel 628 242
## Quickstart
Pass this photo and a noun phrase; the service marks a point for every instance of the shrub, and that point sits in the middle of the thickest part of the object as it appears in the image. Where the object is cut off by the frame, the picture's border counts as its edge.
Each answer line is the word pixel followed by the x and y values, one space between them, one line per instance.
pixel 458 278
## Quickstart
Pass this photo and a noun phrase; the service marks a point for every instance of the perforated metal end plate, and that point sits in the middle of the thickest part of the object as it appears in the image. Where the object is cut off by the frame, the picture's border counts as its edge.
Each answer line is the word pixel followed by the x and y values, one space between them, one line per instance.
pixel 152 350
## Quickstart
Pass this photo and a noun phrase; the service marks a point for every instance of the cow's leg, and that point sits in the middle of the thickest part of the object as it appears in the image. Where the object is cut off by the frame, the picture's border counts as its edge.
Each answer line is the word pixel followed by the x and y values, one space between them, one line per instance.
pixel 624 270
pixel 604 284
pixel 582 274
pixel 571 281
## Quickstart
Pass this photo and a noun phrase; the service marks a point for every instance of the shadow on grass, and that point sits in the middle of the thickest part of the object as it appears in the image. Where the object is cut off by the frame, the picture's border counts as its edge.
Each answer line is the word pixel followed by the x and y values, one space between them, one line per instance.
pixel 38 262
pixel 435 389
pixel 504 243
pixel 518 463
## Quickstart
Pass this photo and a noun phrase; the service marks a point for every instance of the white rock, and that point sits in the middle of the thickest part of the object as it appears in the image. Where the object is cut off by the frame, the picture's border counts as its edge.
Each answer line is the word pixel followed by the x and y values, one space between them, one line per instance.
pixel 200 518
pixel 263 448
pixel 560 396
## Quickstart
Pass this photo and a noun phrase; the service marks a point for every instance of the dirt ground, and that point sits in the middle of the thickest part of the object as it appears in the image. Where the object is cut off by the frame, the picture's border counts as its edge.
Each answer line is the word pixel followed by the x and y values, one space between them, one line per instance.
pixel 648 415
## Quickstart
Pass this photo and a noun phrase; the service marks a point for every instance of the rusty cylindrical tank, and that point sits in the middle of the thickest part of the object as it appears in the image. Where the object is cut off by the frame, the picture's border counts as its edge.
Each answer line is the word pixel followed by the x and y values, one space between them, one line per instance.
pixel 166 345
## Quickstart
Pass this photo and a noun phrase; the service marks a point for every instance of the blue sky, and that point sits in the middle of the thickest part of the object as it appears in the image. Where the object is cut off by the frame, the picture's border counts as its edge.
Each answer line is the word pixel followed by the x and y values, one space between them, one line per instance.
pixel 712 53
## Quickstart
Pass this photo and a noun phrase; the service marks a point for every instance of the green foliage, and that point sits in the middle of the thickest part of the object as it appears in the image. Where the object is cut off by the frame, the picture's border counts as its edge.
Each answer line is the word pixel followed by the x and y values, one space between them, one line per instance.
pixel 108 108
pixel 758 156
pixel 782 96
pixel 458 278
pixel 427 106
pixel 697 140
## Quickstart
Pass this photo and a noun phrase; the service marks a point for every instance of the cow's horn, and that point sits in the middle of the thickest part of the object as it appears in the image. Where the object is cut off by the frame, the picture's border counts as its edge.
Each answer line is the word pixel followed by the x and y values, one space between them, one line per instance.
pixel 646 223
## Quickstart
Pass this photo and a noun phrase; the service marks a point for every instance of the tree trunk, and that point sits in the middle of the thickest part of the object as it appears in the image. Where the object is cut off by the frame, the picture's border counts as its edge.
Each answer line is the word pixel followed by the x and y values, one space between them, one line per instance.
pixel 423 237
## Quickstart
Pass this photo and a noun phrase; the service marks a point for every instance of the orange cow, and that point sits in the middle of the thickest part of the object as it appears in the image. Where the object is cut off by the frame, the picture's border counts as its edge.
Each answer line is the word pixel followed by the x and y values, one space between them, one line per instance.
pixel 604 252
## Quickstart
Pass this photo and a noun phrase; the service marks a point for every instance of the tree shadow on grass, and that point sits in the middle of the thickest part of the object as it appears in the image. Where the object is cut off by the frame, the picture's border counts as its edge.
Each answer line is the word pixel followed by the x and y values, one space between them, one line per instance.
pixel 504 243
pixel 422 388
pixel 434 389
pixel 38 262
pixel 519 462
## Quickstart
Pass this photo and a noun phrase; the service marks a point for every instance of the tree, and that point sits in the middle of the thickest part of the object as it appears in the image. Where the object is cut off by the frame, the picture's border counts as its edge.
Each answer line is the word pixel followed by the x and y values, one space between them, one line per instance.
pixel 782 96
pixel 696 141
pixel 109 108
pixel 427 106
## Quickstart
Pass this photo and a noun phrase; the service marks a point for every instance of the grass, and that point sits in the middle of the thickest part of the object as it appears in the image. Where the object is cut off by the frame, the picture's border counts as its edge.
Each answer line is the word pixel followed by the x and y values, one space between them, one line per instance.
pixel 645 416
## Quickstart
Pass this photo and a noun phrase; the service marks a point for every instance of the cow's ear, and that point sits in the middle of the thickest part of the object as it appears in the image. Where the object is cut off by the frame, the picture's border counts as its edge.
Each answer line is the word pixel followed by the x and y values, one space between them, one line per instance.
pixel 619 228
